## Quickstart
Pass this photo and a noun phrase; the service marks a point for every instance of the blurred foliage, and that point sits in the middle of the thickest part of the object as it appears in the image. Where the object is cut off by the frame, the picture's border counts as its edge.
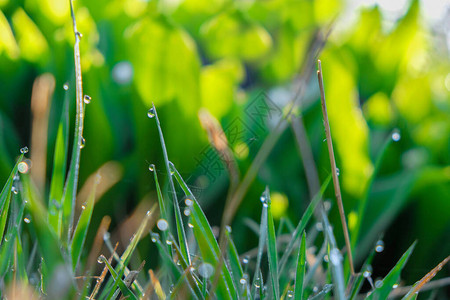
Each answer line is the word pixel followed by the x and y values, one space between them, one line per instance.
pixel 221 54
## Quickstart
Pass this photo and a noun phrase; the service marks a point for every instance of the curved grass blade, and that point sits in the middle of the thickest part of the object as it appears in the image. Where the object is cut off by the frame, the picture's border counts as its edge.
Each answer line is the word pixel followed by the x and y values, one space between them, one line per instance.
pixel 382 292
pixel 359 280
pixel 81 230
pixel 206 241
pixel 162 206
pixel 301 264
pixel 178 218
pixel 419 284
pixel 59 172
pixel 302 224
pixel 5 195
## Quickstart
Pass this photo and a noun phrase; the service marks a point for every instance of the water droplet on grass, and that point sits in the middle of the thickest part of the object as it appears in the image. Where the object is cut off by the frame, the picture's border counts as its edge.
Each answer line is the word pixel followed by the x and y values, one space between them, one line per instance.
pixel 187 212
pixel 27 220
pixel 82 143
pixel 79 34
pixel 395 286
pixel 151 113
pixel 14 190
pixel 83 207
pixel 205 270
pixel 66 86
pixel 228 228
pixel 245 260
pixel 290 293
pixel 162 224
pixel 396 135
pixel 151 167
pixel 367 274
pixel 101 259
pixel 106 236
pixel 24 150
pixel 379 247
pixel 23 167
pixel 87 99
pixel 338 171
pixel 378 283
pixel 154 237
pixel 188 202
pixel 190 225
pixel 169 242
pixel 335 256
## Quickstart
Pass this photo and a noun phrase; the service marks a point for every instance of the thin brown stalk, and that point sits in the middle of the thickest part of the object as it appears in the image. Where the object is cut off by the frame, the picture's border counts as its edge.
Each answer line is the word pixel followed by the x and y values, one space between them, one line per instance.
pixel 337 188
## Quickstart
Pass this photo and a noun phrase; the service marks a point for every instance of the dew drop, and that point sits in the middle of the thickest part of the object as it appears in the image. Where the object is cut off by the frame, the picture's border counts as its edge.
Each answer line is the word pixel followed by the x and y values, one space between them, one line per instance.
pixel 151 167
pixel 319 226
pixel 315 289
pixel 24 150
pixel 168 242
pixel 290 293
pixel 228 228
pixel 82 143
pixel 263 199
pixel 162 224
pixel 367 274
pixel 27 220
pixel 101 259
pixel 66 86
pixel 338 171
pixel 378 283
pixel 245 260
pixel 14 190
pixel 79 34
pixel 106 236
pixel 325 258
pixel 379 247
pixel 83 207
pixel 187 211
pixel 396 135
pixel 23 167
pixel 151 113
pixel 188 202
pixel 205 270
pixel 335 256
pixel 87 99
pixel 190 225
pixel 148 213
pixel 395 286
pixel 243 280
pixel 154 237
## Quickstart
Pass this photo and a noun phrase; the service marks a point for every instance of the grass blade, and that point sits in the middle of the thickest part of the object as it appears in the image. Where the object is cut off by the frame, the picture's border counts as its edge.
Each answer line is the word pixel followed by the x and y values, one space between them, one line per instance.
pixel 59 173
pixel 302 224
pixel 6 250
pixel 272 253
pixel 261 244
pixel 5 195
pixel 178 219
pixel 382 292
pixel 81 230
pixel 118 280
pixel 206 241
pixel 235 263
pixel 301 265
pixel 70 189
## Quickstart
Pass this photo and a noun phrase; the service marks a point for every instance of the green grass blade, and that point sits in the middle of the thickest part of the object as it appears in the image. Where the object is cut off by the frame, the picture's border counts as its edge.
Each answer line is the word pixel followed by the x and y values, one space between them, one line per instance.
pixel 58 173
pixel 70 189
pixel 302 224
pixel 272 253
pixel 162 205
pixel 81 230
pixel 235 263
pixel 206 241
pixel 20 266
pixel 6 250
pixel 360 278
pixel 178 218
pixel 382 292
pixel 122 286
pixel 261 244
pixel 126 256
pixel 5 195
pixel 301 265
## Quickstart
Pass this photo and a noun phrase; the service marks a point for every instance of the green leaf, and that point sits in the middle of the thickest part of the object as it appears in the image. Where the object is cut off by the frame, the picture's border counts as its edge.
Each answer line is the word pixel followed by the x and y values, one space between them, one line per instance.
pixel 6 249
pixel 81 229
pixel 301 266
pixel 7 41
pixel 235 263
pixel 382 292
pixel 272 253
pixel 165 61
pixel 232 34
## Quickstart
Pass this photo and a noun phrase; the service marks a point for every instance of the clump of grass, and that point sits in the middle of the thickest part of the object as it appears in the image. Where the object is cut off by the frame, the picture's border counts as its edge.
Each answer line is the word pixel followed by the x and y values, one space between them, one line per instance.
pixel 44 260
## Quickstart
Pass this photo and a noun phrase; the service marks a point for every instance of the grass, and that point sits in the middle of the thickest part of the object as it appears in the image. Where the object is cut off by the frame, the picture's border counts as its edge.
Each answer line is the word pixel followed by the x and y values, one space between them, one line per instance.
pixel 48 256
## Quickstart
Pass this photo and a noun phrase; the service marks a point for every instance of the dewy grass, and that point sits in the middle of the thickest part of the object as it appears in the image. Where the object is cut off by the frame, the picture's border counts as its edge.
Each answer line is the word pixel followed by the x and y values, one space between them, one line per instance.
pixel 281 270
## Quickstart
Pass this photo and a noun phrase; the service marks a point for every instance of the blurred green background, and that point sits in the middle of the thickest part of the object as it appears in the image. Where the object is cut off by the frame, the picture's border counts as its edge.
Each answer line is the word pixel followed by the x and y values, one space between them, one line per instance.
pixel 386 67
